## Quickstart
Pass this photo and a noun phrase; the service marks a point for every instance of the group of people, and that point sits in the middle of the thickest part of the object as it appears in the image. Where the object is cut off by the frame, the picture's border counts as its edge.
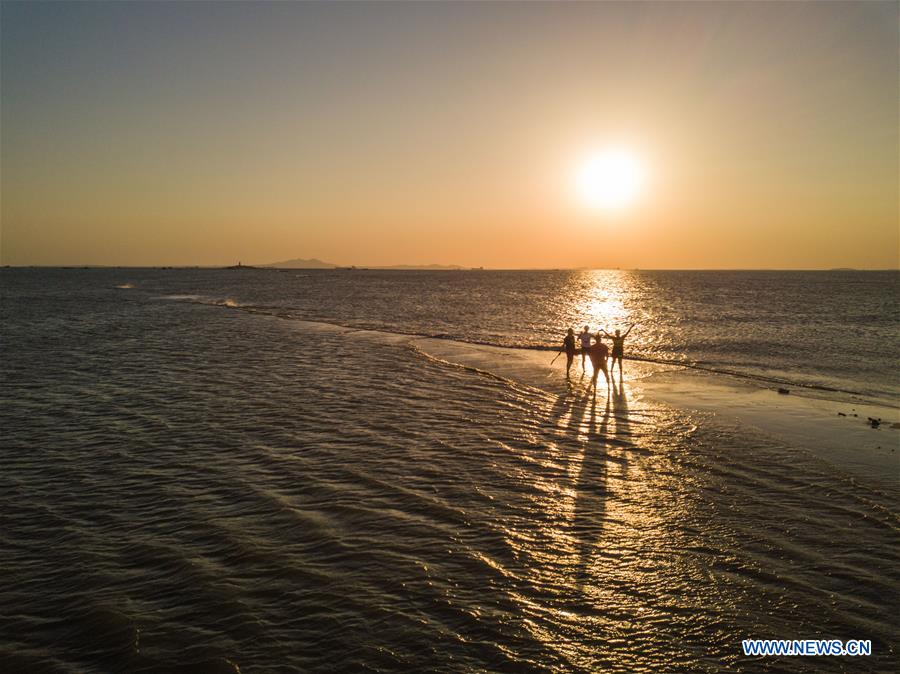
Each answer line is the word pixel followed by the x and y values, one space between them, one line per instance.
pixel 597 351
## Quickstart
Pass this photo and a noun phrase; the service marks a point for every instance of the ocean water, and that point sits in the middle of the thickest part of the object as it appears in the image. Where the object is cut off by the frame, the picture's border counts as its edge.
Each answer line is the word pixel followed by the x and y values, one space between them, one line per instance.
pixel 212 471
pixel 837 330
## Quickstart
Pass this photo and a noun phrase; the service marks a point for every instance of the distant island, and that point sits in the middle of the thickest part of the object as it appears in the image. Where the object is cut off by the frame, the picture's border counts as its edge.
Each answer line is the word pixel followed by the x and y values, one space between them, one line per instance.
pixel 300 263
pixel 314 263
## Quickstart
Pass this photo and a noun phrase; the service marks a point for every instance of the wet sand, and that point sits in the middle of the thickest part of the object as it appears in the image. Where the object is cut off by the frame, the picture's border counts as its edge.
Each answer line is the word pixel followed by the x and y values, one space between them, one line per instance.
pixel 833 429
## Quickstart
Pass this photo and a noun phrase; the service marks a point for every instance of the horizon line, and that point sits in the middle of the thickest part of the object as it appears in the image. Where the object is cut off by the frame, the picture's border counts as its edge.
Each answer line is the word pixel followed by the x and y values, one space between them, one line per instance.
pixel 429 267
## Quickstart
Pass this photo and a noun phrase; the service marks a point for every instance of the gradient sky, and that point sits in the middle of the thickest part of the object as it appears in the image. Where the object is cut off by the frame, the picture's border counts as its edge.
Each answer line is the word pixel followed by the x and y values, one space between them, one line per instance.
pixel 382 133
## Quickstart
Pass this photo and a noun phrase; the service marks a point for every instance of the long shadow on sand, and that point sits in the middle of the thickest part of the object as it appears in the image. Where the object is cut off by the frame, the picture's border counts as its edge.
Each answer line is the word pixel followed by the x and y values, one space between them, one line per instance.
pixel 604 421
pixel 622 432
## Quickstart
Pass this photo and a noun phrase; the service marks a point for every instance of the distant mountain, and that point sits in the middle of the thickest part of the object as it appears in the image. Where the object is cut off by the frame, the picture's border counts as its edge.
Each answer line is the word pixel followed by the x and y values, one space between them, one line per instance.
pixel 313 263
pixel 298 263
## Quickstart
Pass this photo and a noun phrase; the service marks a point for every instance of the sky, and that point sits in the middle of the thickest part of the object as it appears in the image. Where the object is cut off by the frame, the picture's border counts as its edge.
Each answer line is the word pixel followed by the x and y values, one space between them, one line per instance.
pixel 379 133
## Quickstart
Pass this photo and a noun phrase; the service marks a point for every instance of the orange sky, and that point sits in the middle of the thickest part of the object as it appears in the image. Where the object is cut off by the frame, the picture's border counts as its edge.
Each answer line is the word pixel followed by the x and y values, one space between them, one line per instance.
pixel 385 133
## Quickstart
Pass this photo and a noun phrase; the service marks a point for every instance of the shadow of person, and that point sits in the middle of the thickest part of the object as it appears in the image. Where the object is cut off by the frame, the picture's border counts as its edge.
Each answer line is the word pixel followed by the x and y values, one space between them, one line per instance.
pixel 569 410
pixel 560 406
pixel 585 424
pixel 622 430
pixel 589 508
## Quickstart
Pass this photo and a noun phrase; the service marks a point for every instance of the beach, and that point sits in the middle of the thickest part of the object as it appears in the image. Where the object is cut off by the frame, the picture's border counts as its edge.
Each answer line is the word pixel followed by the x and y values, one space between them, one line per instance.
pixel 835 428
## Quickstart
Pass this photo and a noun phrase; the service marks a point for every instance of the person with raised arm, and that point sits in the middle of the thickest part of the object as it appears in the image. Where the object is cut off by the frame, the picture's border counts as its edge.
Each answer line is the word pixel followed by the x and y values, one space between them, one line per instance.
pixel 618 350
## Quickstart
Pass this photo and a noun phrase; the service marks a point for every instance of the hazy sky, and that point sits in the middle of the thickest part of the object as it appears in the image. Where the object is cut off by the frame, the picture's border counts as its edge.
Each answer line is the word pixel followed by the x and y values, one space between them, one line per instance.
pixel 380 133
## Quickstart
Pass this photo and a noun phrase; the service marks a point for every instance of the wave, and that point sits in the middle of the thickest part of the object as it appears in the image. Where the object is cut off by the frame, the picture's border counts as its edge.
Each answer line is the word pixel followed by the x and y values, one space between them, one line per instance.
pixel 198 299
pixel 203 299
pixel 515 385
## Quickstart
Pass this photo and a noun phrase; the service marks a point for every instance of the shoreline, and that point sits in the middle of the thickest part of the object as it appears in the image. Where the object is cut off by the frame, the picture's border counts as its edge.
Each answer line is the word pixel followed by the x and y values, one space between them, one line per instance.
pixel 542 350
pixel 808 419
pixel 823 426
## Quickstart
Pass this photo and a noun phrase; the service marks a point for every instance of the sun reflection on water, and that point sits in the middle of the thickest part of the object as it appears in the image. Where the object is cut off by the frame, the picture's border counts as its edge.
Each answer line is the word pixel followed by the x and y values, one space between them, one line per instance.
pixel 613 299
pixel 598 549
pixel 601 298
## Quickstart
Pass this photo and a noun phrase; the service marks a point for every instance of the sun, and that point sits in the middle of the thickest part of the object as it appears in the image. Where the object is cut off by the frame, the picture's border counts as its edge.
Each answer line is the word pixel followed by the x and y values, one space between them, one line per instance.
pixel 610 180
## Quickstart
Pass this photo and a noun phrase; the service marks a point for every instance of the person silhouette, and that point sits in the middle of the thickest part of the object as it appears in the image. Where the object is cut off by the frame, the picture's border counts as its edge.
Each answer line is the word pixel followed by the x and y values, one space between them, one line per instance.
pixel 618 350
pixel 585 337
pixel 569 347
pixel 599 352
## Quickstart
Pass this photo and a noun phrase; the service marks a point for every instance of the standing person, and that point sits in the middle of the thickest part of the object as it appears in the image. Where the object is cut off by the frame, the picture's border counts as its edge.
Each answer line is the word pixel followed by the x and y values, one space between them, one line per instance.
pixel 569 346
pixel 599 352
pixel 585 337
pixel 618 350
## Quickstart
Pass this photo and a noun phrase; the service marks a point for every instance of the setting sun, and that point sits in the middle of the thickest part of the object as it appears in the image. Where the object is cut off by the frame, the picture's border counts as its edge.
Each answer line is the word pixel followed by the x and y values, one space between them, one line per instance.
pixel 611 179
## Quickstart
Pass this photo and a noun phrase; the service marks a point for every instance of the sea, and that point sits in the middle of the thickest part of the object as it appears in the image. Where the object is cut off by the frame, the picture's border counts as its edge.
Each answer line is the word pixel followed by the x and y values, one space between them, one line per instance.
pixel 258 470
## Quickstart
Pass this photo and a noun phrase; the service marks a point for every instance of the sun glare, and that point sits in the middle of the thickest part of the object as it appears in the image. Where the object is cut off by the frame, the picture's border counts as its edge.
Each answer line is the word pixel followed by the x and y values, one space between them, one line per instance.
pixel 610 179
